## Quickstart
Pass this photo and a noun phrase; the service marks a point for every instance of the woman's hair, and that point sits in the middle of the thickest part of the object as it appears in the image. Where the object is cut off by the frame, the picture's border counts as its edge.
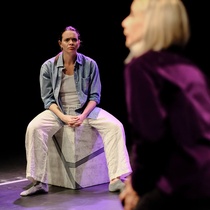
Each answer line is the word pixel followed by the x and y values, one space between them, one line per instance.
pixel 68 28
pixel 166 24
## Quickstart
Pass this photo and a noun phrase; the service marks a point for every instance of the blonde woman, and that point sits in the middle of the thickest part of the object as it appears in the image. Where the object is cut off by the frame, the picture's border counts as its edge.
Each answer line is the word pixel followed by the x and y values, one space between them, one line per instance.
pixel 168 105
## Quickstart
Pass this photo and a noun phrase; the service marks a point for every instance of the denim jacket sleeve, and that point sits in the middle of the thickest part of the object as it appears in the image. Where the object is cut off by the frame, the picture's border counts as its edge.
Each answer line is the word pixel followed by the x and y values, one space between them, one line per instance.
pixel 46 83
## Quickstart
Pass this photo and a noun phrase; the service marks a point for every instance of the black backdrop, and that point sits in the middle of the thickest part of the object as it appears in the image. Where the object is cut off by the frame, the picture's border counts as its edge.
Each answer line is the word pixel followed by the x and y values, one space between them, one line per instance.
pixel 29 37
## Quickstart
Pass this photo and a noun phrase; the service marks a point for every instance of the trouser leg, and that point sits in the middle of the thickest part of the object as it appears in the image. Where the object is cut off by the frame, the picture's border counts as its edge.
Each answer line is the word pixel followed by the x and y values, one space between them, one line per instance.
pixel 113 136
pixel 38 132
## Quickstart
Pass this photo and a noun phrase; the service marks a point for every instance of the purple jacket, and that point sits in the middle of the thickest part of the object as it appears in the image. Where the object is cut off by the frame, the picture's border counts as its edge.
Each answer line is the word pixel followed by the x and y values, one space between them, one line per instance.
pixel 168 104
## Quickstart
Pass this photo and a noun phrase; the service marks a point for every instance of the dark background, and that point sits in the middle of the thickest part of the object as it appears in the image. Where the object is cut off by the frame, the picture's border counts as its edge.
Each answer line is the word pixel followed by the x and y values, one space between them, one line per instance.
pixel 29 37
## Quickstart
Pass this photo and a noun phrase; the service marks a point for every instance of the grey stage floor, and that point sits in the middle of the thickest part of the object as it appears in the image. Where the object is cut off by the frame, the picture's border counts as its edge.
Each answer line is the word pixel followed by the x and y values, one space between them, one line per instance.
pixel 12 182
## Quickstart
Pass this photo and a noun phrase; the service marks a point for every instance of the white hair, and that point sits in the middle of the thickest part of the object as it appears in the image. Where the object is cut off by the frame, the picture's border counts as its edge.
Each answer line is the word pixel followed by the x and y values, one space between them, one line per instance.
pixel 166 24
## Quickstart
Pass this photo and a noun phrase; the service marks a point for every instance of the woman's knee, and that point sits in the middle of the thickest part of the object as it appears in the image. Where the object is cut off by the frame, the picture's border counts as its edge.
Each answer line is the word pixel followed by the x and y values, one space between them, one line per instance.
pixel 33 125
pixel 117 126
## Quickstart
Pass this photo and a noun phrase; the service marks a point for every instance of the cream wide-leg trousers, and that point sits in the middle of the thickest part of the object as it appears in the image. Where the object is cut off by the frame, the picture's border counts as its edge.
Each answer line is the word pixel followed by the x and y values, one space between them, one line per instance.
pixel 41 129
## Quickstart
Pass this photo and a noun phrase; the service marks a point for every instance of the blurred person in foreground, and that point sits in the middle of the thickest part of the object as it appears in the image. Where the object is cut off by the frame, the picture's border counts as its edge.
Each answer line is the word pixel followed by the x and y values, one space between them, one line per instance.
pixel 168 104
pixel 71 91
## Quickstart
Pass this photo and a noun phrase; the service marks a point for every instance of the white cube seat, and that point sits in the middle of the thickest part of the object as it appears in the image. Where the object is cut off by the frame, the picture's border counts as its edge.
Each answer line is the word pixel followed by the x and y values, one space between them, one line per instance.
pixel 76 158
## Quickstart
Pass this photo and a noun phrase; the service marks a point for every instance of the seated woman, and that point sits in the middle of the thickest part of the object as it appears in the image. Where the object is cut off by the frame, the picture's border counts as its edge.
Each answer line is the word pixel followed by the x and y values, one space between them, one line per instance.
pixel 71 90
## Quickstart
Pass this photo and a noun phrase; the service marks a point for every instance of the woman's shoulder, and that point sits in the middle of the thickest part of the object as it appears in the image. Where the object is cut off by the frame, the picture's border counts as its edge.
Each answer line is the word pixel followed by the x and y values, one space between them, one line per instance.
pixel 168 65
pixel 51 60
pixel 84 59
pixel 163 58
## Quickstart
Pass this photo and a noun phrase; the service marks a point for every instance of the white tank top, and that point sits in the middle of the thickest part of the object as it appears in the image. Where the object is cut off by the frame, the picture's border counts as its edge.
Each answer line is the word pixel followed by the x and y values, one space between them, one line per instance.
pixel 68 91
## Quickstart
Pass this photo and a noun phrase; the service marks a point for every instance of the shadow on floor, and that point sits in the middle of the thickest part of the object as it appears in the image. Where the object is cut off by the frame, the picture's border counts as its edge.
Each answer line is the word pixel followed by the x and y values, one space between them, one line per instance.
pixel 13 182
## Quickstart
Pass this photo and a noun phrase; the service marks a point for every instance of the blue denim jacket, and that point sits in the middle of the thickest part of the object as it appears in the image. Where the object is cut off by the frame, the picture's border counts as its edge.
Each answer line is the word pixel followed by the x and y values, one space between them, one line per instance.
pixel 87 81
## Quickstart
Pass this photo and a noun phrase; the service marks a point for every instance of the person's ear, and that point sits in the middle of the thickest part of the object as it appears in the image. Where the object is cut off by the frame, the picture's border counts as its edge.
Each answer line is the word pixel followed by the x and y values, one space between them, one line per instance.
pixel 59 43
pixel 79 44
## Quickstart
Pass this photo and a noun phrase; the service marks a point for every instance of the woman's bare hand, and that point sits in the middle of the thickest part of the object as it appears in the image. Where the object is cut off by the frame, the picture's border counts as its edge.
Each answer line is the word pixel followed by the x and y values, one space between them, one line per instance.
pixel 128 197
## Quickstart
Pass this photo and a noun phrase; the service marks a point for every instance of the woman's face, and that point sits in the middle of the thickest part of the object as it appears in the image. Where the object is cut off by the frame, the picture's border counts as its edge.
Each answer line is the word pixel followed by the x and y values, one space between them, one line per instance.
pixel 70 42
pixel 133 23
